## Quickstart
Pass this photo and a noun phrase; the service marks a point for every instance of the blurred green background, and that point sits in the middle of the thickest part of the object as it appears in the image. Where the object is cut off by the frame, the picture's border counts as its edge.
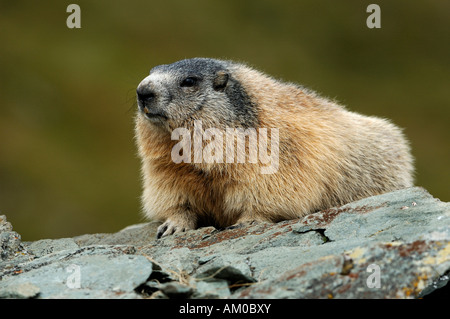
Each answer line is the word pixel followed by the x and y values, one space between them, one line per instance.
pixel 68 162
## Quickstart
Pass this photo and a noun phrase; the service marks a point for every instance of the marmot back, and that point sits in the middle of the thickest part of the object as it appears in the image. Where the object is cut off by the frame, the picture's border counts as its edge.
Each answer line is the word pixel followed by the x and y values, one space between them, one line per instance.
pixel 222 143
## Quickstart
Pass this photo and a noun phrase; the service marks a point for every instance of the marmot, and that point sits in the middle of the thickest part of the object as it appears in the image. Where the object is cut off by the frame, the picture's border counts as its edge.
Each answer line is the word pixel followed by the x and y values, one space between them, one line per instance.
pixel 326 155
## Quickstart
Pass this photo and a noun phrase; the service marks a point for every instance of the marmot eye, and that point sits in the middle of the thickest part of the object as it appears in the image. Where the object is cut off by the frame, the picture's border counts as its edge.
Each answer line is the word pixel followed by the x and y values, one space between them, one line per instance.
pixel 189 81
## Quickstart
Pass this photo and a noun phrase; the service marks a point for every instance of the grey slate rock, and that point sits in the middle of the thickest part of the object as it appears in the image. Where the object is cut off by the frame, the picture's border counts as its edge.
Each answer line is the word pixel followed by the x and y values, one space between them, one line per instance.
pixel 98 272
pixel 176 290
pixel 137 235
pixel 47 246
pixel 24 290
pixel 10 241
pixel 211 288
pixel 395 245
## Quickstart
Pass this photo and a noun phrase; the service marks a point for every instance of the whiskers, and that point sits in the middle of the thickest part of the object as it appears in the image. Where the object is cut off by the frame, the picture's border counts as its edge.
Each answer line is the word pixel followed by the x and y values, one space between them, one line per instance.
pixel 131 100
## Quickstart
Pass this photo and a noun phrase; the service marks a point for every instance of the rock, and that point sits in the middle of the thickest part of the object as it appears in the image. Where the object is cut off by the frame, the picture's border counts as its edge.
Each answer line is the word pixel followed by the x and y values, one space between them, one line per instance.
pixel 395 245
pixel 211 288
pixel 137 235
pixel 47 246
pixel 176 290
pixel 232 268
pixel 20 291
pixel 10 244
pixel 99 272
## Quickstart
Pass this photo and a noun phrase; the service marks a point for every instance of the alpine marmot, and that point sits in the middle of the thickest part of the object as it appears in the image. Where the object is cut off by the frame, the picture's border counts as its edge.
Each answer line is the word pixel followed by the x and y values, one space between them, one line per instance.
pixel 223 144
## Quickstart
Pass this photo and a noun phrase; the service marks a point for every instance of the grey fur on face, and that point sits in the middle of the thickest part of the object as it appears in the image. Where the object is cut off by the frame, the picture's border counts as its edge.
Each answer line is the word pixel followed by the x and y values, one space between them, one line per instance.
pixel 174 95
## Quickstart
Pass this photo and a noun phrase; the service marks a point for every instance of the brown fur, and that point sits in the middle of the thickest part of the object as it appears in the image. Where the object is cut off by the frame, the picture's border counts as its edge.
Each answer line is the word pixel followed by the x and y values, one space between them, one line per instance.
pixel 328 157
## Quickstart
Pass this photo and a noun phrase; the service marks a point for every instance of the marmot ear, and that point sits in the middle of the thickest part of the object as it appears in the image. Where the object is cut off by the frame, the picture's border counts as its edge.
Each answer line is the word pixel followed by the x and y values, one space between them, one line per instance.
pixel 220 81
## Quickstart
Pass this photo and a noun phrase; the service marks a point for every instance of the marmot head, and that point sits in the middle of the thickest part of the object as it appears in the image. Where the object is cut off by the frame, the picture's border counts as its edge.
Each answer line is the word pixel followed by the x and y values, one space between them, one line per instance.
pixel 175 95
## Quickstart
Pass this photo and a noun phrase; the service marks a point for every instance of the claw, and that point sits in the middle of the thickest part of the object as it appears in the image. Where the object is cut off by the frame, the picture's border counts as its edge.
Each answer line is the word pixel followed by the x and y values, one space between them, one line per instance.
pixel 171 227
pixel 161 230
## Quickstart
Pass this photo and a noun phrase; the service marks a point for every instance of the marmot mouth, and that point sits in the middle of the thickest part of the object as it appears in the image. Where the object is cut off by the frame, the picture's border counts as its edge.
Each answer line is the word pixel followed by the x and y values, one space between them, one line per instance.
pixel 153 116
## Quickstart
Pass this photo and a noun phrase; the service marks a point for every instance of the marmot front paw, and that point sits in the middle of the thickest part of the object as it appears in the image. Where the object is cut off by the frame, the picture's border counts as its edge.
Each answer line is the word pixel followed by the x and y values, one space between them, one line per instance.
pixel 172 226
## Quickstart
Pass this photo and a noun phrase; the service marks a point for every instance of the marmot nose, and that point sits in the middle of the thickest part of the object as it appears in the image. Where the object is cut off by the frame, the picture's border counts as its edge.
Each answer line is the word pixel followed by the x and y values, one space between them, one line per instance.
pixel 145 94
